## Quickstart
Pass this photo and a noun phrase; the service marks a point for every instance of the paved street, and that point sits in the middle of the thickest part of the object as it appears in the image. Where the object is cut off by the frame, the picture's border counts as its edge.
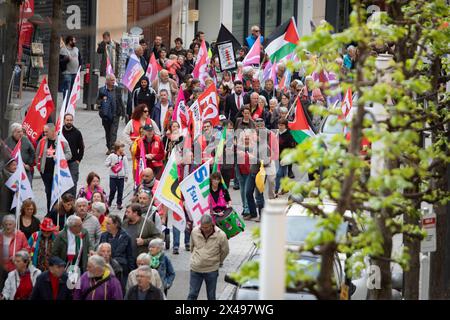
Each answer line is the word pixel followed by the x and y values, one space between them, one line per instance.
pixel 94 138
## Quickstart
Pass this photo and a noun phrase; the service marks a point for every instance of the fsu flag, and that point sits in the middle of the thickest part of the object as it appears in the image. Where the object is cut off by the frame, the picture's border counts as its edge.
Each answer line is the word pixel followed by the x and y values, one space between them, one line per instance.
pixel 40 109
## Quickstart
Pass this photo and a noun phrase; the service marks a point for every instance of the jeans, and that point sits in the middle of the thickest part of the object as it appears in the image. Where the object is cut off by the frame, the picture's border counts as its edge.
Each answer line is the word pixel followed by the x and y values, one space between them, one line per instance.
pixel 111 128
pixel 68 80
pixel 47 179
pixel 176 238
pixel 236 176
pixel 74 169
pixel 116 184
pixel 196 281
pixel 251 193
pixel 243 178
pixel 281 173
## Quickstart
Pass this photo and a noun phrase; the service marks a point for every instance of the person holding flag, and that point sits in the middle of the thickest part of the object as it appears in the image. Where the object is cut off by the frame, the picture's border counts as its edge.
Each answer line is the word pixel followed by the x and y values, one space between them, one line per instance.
pixel 26 148
pixel 46 158
pixel 109 49
pixel 6 194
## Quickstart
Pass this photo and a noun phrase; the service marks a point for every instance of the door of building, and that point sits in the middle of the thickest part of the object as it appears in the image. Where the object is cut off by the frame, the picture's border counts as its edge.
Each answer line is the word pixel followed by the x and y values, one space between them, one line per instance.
pixel 139 10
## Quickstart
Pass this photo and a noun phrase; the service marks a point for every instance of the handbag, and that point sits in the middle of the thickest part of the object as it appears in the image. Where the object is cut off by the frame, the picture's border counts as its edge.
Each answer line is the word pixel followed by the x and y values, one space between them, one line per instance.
pixel 117 167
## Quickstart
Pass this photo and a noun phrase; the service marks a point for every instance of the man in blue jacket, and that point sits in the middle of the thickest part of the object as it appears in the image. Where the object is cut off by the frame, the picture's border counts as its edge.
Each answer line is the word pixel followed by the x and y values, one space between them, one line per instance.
pixel 256 32
pixel 111 108
pixel 52 284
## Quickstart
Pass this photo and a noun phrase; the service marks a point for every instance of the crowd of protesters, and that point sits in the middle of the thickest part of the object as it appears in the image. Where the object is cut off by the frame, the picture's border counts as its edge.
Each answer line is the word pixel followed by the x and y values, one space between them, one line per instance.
pixel 82 251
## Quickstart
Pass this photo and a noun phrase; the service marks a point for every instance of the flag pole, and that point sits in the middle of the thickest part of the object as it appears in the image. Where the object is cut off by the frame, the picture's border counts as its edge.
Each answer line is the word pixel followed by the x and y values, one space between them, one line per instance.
pixel 292 106
pixel 146 215
pixel 17 214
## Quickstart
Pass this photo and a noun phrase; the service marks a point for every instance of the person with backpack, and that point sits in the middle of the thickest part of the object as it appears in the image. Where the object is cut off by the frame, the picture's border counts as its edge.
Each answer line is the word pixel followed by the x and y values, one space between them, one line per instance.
pixel 118 175
pixel 111 108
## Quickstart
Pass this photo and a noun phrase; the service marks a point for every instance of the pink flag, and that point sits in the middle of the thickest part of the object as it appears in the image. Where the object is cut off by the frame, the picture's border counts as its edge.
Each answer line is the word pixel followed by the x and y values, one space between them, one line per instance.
pixel 200 70
pixel 152 69
pixel 254 55
pixel 181 113
pixel 75 94
pixel 109 69
pixel 273 74
pixel 179 99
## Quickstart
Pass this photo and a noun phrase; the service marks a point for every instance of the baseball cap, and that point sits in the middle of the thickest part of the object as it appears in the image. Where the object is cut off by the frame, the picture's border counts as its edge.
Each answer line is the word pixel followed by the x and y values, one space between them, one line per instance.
pixel 148 127
pixel 56 261
pixel 222 117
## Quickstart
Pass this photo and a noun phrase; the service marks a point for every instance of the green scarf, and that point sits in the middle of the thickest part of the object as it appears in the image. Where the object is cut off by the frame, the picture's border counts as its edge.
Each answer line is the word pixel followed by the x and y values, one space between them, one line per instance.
pixel 154 264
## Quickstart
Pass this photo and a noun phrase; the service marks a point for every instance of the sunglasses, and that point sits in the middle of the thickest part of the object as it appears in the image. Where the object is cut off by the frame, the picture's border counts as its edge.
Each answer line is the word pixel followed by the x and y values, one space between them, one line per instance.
pixel 146 111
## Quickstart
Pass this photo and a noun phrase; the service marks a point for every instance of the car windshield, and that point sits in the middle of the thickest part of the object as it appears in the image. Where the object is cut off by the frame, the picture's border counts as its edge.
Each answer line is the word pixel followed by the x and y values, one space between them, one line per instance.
pixel 299 227
pixel 332 126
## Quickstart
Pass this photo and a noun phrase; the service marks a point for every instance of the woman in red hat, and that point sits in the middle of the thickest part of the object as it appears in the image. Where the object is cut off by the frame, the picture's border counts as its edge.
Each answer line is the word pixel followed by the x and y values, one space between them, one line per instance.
pixel 41 243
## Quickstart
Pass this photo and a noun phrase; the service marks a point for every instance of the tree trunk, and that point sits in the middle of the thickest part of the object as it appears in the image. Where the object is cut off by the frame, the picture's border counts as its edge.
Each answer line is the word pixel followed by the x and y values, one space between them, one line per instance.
pixel 383 262
pixel 440 260
pixel 53 69
pixel 411 277
pixel 326 290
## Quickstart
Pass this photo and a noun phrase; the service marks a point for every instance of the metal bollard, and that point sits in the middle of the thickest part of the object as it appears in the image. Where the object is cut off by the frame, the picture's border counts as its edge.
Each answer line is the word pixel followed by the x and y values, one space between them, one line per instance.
pixel 424 277
pixel 273 239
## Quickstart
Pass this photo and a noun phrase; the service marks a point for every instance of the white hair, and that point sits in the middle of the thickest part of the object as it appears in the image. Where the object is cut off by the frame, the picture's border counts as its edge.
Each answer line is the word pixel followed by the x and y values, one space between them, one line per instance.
pixel 273 100
pixel 9 217
pixel 206 219
pixel 110 77
pixel 71 220
pixel 247 69
pixel 158 243
pixel 137 47
pixel 81 200
pixel 15 126
pixel 24 255
pixel 103 244
pixel 263 99
pixel 144 256
pixel 99 206
pixel 146 270
pixel 97 260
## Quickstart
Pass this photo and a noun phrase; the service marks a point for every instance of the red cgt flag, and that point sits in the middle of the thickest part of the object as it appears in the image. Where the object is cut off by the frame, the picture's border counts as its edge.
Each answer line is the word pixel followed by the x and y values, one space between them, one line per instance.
pixel 40 109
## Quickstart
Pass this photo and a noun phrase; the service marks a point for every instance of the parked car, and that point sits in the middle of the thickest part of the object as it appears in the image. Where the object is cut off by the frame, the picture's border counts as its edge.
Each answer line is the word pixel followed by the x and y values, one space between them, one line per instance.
pixel 299 224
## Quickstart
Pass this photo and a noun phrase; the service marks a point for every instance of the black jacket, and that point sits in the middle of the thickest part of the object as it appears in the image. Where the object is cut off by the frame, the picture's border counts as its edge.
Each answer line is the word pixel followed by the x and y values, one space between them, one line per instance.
pixel 286 141
pixel 231 109
pixel 145 96
pixel 43 288
pixel 76 143
pixel 152 294
pixel 121 249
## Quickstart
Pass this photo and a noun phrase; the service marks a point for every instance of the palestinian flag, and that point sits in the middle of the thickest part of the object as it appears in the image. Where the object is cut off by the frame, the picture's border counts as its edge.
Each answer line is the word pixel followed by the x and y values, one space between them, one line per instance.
pixel 301 127
pixel 282 41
